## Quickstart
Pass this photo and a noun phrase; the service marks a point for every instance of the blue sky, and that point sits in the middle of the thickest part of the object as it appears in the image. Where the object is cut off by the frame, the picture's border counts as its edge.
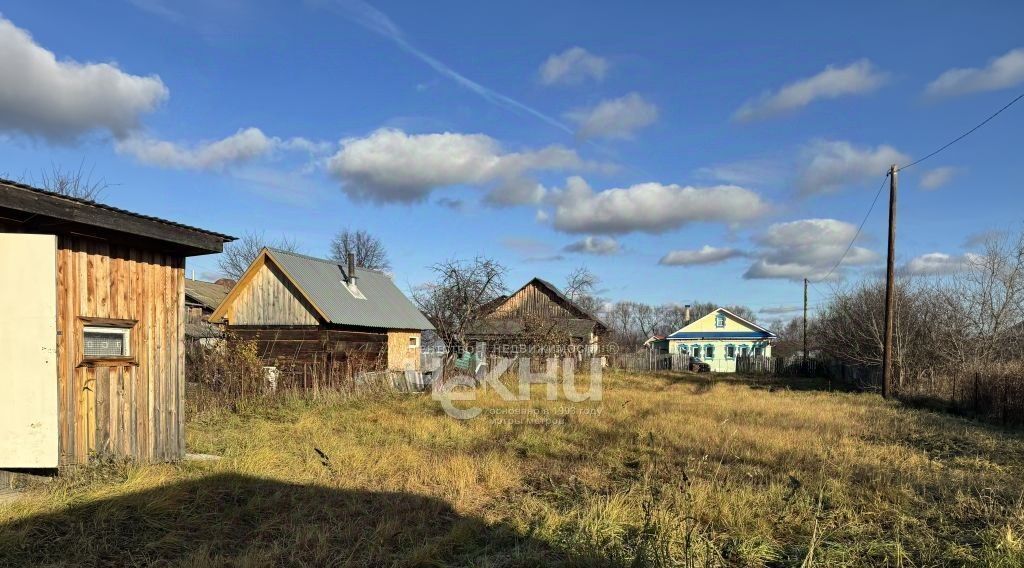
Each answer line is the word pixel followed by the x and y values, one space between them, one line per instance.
pixel 713 152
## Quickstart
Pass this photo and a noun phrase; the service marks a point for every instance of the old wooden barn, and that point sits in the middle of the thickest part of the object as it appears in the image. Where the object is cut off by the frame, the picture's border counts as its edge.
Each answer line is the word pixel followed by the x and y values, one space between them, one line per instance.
pixel 303 311
pixel 540 318
pixel 91 331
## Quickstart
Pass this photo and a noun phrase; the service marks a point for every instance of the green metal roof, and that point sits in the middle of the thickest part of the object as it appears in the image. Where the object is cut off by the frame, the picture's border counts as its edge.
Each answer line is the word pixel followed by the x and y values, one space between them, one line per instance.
pixel 324 282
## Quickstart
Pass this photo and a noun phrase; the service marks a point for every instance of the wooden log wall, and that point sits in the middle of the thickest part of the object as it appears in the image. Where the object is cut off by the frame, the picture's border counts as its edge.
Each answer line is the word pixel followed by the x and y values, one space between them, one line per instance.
pixel 128 407
pixel 289 347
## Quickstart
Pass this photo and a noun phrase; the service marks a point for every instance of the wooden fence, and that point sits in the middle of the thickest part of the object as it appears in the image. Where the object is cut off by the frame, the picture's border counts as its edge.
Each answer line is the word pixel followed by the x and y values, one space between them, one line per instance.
pixel 995 395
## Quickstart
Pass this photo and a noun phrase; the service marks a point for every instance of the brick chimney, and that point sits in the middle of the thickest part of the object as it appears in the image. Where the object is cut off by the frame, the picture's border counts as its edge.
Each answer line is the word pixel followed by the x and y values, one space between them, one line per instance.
pixel 686 314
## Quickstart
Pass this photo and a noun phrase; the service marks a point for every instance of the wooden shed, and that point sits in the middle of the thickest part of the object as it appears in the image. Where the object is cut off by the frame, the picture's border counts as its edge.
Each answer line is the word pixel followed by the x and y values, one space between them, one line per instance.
pixel 538 317
pixel 301 310
pixel 92 328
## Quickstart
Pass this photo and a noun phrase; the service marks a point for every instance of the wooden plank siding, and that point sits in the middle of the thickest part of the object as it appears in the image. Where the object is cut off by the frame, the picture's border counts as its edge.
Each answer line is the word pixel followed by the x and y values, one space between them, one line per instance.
pixel 269 298
pixel 533 301
pixel 120 407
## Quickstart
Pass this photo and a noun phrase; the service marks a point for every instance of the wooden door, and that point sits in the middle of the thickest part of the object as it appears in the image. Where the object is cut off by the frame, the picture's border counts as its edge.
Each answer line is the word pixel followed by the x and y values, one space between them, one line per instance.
pixel 28 351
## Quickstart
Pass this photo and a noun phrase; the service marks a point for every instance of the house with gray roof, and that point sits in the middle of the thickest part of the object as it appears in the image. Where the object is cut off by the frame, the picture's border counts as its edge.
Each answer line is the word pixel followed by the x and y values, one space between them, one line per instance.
pixel 303 310
pixel 201 299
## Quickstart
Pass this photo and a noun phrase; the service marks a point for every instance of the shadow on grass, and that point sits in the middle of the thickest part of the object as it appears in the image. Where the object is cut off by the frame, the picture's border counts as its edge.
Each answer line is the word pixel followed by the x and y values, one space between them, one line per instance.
pixel 229 519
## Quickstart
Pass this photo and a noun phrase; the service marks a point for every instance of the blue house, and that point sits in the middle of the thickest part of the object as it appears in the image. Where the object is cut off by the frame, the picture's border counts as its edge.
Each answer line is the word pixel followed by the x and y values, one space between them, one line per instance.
pixel 719 338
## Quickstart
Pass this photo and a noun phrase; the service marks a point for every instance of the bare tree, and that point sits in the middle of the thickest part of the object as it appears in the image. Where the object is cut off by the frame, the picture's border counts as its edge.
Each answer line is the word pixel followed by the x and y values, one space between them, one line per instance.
pixel 622 320
pixel 369 250
pixel 580 288
pixel 671 318
pixel 237 256
pixel 790 337
pixel 646 318
pixel 72 183
pixel 982 306
pixel 459 296
pixel 850 326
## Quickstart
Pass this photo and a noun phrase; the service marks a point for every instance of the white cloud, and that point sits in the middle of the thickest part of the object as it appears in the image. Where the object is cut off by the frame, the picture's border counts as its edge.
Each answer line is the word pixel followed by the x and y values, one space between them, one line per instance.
pixel 832 164
pixel 704 255
pixel 807 248
pixel 934 179
pixel 573 66
pixel 614 118
pixel 858 78
pixel 595 245
pixel 650 207
pixel 61 100
pixel 389 165
pixel 1001 72
pixel 243 146
pixel 938 263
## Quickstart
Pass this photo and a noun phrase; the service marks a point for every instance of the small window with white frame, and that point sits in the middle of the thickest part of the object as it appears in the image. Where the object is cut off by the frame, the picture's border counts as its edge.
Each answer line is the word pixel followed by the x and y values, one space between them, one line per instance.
pixel 414 342
pixel 105 342
pixel 720 320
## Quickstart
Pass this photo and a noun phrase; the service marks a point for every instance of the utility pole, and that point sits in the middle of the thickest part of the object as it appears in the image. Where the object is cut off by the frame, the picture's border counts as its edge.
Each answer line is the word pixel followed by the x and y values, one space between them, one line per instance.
pixel 805 325
pixel 890 284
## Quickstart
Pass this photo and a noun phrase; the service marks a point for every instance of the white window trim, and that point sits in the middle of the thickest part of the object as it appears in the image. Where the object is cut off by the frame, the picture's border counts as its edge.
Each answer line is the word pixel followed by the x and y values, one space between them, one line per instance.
pixel 414 342
pixel 125 332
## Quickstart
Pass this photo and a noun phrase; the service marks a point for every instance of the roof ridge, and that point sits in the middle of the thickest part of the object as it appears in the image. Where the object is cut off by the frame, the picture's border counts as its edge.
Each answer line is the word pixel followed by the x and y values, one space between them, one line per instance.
pixel 323 260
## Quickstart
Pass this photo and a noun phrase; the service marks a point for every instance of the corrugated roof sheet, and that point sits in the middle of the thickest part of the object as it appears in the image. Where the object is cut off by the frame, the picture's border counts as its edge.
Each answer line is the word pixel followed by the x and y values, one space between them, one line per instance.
pixel 323 281
pixel 209 294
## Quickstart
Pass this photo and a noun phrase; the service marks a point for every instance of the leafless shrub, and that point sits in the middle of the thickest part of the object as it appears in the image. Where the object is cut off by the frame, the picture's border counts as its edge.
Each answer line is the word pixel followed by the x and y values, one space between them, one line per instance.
pixel 224 372
pixel 72 183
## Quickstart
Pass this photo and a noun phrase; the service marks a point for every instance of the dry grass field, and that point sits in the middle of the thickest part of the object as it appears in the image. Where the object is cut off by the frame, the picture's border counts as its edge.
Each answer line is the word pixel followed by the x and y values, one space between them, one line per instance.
pixel 667 470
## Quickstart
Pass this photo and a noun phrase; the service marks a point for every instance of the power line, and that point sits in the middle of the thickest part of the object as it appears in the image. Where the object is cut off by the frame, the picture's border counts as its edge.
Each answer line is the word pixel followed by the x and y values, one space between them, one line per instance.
pixel 818 290
pixel 914 163
pixel 859 229
pixel 965 134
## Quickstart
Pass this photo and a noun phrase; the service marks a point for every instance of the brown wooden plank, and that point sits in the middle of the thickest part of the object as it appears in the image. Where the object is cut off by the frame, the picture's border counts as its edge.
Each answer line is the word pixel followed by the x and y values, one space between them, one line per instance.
pixel 180 346
pixel 101 382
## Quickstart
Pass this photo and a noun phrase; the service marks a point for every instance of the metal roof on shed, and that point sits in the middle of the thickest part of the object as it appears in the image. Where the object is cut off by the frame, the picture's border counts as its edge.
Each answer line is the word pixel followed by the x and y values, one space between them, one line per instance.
pixel 323 281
